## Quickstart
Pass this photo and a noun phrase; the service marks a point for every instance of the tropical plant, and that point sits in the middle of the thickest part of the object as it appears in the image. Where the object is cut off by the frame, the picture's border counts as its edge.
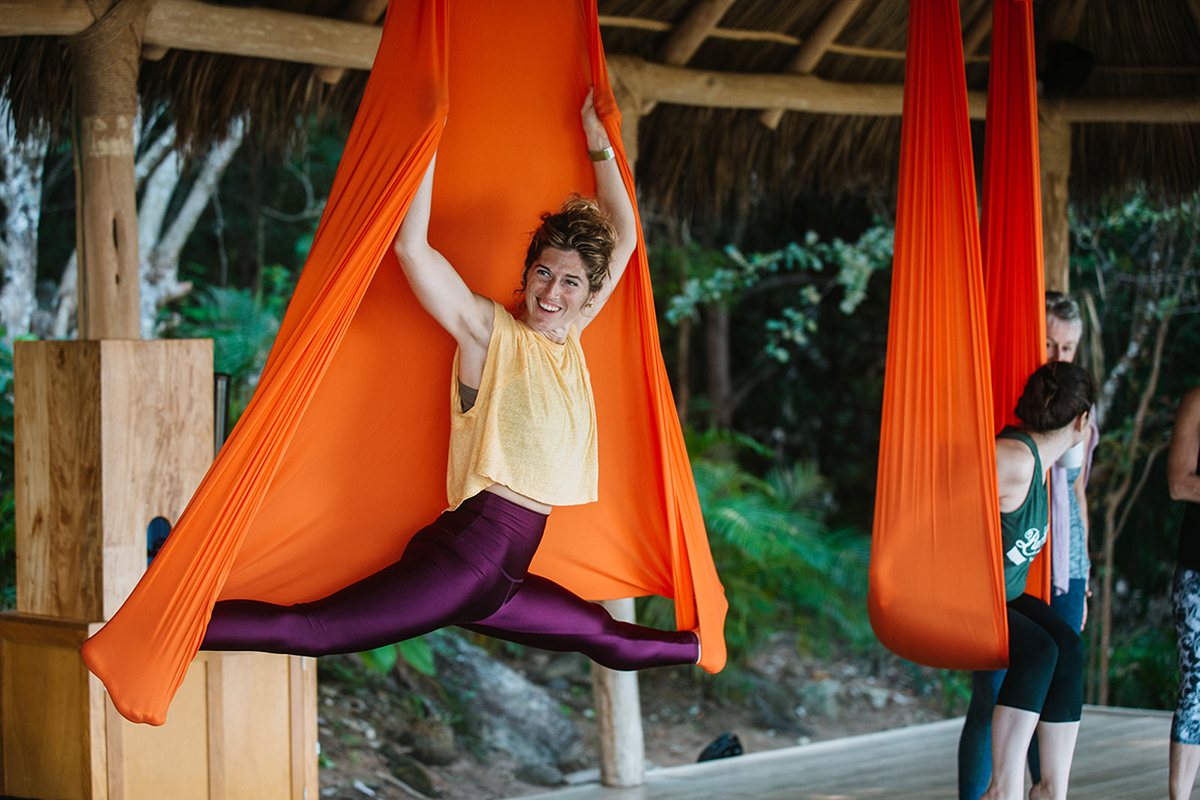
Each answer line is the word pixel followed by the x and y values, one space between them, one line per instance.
pixel 242 325
pixel 1135 264
pixel 737 275
pixel 782 566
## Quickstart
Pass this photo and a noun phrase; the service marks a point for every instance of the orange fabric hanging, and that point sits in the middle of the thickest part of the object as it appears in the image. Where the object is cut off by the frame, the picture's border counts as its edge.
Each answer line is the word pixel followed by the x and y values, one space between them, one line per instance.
pixel 936 593
pixel 1011 230
pixel 341 455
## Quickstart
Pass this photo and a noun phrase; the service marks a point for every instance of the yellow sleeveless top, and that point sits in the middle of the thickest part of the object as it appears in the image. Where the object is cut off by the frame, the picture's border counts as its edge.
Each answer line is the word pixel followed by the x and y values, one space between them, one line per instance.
pixel 533 425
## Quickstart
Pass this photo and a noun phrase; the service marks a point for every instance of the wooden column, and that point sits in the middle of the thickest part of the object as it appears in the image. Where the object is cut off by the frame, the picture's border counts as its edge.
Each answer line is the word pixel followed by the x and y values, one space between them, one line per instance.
pixel 616 696
pixel 106 58
pixel 109 435
pixel 619 715
pixel 1054 145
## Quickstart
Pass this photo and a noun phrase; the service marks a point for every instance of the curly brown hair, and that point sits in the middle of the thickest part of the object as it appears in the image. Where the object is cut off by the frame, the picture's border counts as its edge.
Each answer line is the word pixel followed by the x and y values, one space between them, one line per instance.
pixel 578 225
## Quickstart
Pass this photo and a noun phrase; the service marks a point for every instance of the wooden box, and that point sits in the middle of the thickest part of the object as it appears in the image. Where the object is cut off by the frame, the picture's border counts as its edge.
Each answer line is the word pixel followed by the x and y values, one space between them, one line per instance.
pixel 109 435
pixel 243 725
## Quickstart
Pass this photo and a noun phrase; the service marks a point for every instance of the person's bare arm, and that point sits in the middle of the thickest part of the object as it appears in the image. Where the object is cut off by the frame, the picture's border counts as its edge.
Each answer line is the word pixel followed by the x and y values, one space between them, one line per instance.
pixel 614 201
pixel 1185 446
pixel 1014 473
pixel 439 288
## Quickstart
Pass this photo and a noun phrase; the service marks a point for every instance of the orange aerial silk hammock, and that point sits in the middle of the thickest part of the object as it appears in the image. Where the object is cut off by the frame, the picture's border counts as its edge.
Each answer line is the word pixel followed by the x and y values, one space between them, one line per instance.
pixel 341 455
pixel 936 580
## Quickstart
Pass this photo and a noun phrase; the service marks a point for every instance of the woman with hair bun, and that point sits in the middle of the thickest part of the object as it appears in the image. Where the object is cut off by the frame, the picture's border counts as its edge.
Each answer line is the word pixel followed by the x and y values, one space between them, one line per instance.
pixel 522 440
pixel 1043 689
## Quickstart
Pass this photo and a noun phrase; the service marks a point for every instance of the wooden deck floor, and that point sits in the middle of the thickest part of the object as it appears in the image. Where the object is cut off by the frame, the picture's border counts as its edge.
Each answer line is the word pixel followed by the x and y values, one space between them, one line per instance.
pixel 1121 753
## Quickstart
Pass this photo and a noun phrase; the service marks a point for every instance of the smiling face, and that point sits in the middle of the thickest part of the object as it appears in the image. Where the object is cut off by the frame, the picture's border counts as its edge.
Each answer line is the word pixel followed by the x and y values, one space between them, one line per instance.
pixel 556 290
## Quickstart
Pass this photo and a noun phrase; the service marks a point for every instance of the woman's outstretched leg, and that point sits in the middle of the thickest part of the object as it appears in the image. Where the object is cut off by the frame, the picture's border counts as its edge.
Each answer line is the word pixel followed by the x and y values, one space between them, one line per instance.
pixel 545 615
pixel 437 582
pixel 414 596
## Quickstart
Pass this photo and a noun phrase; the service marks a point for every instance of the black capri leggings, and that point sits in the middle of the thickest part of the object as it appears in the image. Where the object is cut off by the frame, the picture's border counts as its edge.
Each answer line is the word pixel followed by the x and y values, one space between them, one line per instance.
pixel 1045 663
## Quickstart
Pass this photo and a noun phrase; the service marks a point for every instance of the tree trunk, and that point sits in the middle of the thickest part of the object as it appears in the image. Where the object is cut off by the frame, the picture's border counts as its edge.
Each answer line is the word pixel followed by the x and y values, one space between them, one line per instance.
pixel 720 379
pixel 1118 502
pixel 683 360
pixel 159 272
pixel 157 169
pixel 21 194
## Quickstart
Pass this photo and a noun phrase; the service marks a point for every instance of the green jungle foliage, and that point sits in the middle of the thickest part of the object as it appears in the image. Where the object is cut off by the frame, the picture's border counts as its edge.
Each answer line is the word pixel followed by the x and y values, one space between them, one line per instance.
pixel 783 567
pixel 242 325
pixel 733 276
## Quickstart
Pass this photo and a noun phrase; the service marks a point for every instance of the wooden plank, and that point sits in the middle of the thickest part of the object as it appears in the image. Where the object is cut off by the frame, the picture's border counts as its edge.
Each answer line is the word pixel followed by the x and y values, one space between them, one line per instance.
pixel 1121 754
pixel 156 439
pixel 109 435
pixel 43 695
pixel 170 760
pixel 214 679
pixel 57 456
pixel 302 686
pixel 257 724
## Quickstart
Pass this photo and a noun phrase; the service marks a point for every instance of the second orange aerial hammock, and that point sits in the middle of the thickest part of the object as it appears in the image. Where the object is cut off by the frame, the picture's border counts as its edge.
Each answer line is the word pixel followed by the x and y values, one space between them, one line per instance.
pixel 936 587
pixel 1011 227
pixel 341 455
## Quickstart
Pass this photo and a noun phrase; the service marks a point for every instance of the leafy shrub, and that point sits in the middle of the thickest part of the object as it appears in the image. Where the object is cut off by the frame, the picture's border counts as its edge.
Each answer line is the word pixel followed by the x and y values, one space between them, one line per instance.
pixel 783 568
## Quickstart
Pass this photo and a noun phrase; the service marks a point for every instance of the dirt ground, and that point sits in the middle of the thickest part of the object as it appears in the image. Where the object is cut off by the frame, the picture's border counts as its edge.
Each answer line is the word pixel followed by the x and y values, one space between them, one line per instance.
pixel 682 713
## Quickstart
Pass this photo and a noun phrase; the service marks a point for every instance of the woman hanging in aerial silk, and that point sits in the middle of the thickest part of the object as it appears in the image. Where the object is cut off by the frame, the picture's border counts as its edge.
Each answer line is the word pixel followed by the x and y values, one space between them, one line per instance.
pixel 338 460
pixel 1043 688
pixel 523 439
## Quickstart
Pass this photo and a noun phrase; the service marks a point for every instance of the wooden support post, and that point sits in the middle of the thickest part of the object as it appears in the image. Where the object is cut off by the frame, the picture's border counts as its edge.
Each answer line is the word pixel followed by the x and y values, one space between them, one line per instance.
pixel 108 436
pixel 1054 145
pixel 619 715
pixel 618 705
pixel 106 59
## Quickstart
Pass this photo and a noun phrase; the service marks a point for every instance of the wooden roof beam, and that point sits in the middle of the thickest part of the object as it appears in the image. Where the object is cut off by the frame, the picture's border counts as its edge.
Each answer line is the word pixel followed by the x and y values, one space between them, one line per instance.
pixel 688 35
pixel 1194 7
pixel 367 11
pixel 192 25
pixel 813 95
pixel 975 35
pixel 814 48
pixel 262 33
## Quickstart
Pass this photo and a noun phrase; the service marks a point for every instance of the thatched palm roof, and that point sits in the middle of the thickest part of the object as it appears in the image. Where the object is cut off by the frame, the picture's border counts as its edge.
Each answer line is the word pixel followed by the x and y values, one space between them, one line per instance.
pixel 699 161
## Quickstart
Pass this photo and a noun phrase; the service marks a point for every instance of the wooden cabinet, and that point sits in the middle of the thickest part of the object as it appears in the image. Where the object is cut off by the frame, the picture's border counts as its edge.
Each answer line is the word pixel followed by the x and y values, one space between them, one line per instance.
pixel 110 435
pixel 243 725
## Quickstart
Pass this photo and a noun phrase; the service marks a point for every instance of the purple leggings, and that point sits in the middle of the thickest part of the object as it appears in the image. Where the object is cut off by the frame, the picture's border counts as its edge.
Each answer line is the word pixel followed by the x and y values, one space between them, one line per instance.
pixel 469 568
